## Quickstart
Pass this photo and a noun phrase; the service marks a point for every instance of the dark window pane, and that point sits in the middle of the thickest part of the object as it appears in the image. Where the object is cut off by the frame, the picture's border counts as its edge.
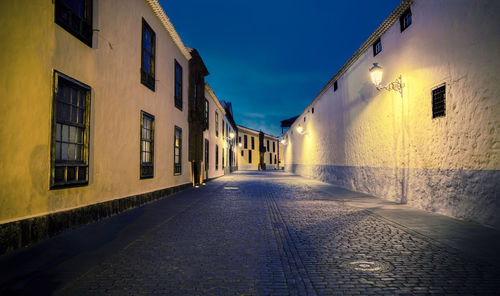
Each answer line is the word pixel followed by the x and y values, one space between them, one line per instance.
pixel 59 174
pixel 82 173
pixel 71 174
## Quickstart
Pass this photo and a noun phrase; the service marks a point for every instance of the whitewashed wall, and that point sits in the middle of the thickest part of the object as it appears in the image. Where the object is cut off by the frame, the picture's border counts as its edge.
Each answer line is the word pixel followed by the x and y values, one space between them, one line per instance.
pixel 382 144
pixel 210 134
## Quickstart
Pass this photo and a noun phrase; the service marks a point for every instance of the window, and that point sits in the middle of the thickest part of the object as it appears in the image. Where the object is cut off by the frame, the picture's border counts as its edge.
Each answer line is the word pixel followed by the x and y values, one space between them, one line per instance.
pixel 249 156
pixel 274 147
pixel 270 158
pixel 177 151
pixel 206 114
pixel 274 158
pixel 268 146
pixel 206 154
pixel 253 143
pixel 245 141
pixel 147 145
pixel 405 20
pixel 239 139
pixel 70 132
pixel 178 86
pixel 335 85
pixel 438 102
pixel 222 157
pixel 148 56
pixel 216 157
pixel 242 154
pixel 216 124
pixel 312 110
pixel 75 16
pixel 377 47
pixel 223 127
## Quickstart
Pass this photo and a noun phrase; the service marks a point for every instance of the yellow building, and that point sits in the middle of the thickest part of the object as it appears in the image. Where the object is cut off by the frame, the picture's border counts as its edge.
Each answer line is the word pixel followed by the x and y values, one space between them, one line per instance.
pixel 255 148
pixel 95 113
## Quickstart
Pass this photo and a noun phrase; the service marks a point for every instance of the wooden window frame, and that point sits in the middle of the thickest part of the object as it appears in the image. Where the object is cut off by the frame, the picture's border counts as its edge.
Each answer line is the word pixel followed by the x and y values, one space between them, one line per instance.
pixel 376 48
pixel 144 164
pixel 216 124
pixel 403 19
pixel 216 157
pixel 148 78
pixel 207 154
pixel 207 110
pixel 245 141
pixel 80 127
pixel 178 85
pixel 78 26
pixel 177 149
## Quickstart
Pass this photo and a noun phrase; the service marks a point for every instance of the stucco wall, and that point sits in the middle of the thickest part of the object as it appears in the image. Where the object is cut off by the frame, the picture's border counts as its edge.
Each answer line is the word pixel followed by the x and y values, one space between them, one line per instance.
pixel 379 143
pixel 213 139
pixel 32 47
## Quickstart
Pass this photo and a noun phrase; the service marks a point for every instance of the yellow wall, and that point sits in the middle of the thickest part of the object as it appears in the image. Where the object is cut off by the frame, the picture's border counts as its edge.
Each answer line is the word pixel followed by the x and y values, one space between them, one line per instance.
pixel 32 47
pixel 243 163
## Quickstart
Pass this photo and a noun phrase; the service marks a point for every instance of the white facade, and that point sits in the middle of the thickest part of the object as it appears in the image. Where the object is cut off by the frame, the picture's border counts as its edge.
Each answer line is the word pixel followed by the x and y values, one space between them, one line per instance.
pixel 388 145
pixel 213 136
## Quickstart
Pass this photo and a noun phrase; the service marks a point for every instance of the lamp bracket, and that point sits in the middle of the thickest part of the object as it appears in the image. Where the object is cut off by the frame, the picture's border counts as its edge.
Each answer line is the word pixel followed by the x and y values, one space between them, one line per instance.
pixel 396 85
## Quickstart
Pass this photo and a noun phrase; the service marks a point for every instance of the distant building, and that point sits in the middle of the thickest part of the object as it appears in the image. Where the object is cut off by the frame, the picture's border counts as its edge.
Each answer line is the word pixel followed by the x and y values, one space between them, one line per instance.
pixel 257 150
pixel 287 123
pixel 436 145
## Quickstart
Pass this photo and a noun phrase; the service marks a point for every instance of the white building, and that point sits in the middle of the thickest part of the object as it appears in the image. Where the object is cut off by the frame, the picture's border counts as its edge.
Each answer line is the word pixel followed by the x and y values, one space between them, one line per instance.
pixel 213 163
pixel 436 145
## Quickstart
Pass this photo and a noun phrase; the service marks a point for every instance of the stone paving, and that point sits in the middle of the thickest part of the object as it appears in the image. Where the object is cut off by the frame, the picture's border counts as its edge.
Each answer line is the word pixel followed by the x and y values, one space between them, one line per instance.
pixel 271 233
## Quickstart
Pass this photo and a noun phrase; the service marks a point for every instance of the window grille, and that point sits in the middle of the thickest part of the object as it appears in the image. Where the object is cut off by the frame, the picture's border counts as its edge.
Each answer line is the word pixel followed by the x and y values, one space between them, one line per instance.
pixel 439 102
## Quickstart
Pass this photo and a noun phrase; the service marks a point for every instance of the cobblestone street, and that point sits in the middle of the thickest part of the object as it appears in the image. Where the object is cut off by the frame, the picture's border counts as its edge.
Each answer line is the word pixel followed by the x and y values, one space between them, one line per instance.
pixel 274 233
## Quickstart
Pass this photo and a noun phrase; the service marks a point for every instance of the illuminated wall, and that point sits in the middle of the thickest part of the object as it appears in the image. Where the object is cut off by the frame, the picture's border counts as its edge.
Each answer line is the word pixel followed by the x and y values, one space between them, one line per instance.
pixel 214 138
pixel 379 143
pixel 32 47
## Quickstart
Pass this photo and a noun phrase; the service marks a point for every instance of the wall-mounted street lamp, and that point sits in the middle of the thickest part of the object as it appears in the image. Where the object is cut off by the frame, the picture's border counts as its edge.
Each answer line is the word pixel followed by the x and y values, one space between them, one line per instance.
pixel 231 135
pixel 376 73
pixel 301 130
pixel 239 145
pixel 283 141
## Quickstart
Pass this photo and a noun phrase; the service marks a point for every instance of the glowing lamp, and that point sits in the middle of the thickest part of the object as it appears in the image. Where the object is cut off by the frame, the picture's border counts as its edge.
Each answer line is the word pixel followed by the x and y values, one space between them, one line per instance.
pixel 231 135
pixel 300 130
pixel 376 74
pixel 239 144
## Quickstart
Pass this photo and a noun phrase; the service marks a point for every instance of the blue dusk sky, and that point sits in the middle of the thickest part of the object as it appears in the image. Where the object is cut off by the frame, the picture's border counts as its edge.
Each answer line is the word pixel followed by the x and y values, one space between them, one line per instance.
pixel 271 58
